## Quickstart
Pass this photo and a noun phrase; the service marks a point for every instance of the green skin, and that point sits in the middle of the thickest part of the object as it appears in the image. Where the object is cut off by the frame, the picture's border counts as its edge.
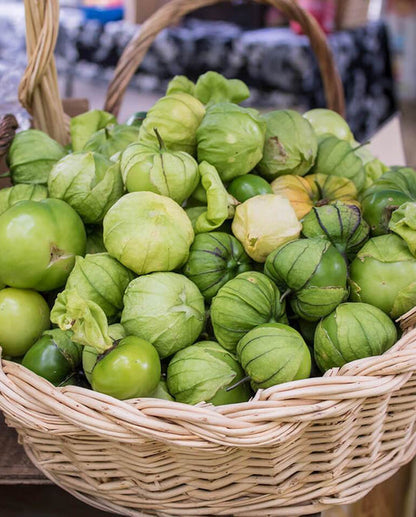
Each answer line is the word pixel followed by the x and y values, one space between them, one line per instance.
pixel 353 331
pixel 155 169
pixel 274 353
pixel 136 119
pixel 177 118
pixel 290 145
pixel 326 121
pixel 380 281
pixel 307 329
pixel 378 207
pixel 112 139
pixel 40 240
pixel 250 185
pixel 51 362
pixel 129 370
pixel 315 274
pixel 12 195
pixel 90 354
pixel 246 301
pixel 162 392
pixel 24 316
pixel 202 372
pixel 214 259
pixel 337 158
pixel 32 155
pixel 341 224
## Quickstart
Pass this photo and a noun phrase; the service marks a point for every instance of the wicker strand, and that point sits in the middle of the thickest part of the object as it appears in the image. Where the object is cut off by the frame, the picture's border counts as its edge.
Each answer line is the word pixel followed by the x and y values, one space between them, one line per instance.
pixel 38 90
pixel 8 126
pixel 176 9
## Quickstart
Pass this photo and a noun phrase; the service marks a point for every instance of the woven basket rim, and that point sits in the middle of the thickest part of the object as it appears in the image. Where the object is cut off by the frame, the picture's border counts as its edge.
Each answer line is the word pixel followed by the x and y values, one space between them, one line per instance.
pixel 293 404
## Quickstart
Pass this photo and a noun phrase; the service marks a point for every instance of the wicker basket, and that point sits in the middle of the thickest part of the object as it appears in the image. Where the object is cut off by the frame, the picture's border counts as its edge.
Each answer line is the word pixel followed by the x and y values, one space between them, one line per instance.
pixel 295 449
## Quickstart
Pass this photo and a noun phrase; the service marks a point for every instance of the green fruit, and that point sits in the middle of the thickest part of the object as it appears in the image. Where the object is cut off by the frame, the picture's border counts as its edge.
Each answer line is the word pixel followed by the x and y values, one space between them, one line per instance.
pixel 272 354
pixel 215 258
pixel 32 155
pixel 386 194
pixel 24 315
pixel 90 354
pixel 89 182
pixel 353 331
pixel 337 158
pixel 54 356
pixel 290 146
pixel 166 309
pixel 314 273
pixel 147 232
pixel 162 392
pixel 231 138
pixel 99 278
pixel 202 372
pixel 177 118
pixel 12 195
pixel 40 240
pixel 378 208
pixel 250 185
pixel 112 139
pixel 136 119
pixel 248 300
pixel 384 275
pixel 341 224
pixel 130 370
pixel 152 168
pixel 326 121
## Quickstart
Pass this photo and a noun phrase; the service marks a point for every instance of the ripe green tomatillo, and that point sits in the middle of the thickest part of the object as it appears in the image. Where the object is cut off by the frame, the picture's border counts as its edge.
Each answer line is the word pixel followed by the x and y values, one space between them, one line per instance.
pixel 247 186
pixel 39 243
pixel 131 369
pixel 54 356
pixel 24 315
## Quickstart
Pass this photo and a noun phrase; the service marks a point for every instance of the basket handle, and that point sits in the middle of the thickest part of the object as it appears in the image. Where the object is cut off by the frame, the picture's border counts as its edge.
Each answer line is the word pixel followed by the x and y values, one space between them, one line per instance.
pixel 38 89
pixel 174 10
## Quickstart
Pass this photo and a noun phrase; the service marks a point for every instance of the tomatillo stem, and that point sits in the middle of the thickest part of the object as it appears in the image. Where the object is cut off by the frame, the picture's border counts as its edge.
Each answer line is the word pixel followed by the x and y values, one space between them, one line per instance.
pixel 285 294
pixel 162 145
pixel 239 383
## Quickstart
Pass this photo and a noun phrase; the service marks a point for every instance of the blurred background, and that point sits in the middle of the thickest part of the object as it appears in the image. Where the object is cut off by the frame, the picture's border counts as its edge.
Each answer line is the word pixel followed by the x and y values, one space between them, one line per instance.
pixel 374 43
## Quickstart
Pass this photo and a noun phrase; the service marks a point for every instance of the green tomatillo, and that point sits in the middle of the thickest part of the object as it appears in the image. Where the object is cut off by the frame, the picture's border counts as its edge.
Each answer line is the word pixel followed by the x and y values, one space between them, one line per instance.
pixel 248 300
pixel 23 192
pixel 339 223
pixel 384 275
pixel 215 258
pixel 177 117
pixel 313 272
pixel 32 155
pixel 166 309
pixel 54 356
pixel 385 195
pixel 24 315
pixel 151 167
pixel 353 331
pixel 202 372
pixel 274 353
pixel 40 240
pixel 247 186
pixel 129 370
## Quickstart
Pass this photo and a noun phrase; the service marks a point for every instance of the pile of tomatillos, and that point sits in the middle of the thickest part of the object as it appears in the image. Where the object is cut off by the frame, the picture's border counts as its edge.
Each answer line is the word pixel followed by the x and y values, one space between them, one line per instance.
pixel 202 251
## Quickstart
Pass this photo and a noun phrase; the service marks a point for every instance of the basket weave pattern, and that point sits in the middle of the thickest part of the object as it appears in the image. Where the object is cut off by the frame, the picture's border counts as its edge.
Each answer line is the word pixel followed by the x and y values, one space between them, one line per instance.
pixel 294 449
